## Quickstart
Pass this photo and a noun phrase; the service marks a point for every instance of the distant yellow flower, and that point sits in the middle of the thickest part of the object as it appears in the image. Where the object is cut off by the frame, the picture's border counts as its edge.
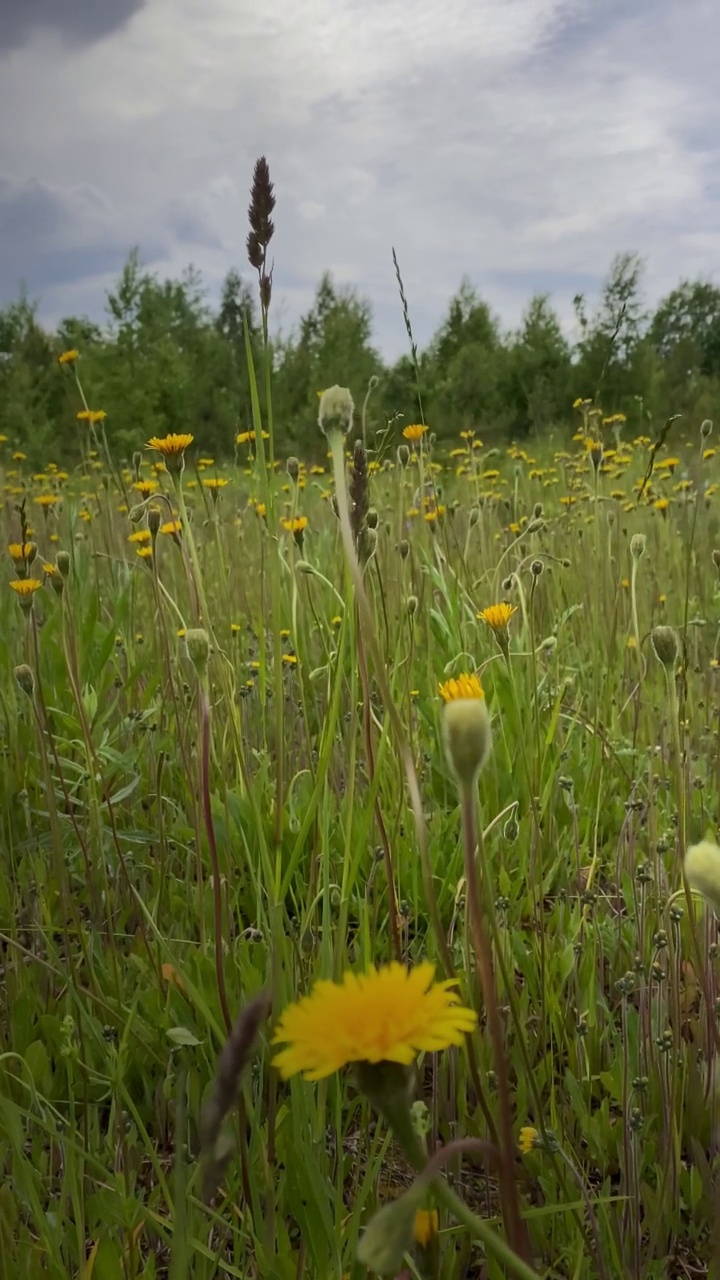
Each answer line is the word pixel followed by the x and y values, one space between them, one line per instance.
pixel 248 437
pixel 172 446
pixel 214 483
pixel 390 1014
pixel 661 504
pixel 97 415
pixel 498 616
pixel 296 525
pixel 668 464
pixel 260 508
pixel 172 527
pixel 414 432
pixel 708 453
pixel 68 357
pixel 528 1139
pixel 336 620
pixel 140 535
pixel 145 553
pixel 464 686
pixel 289 659
pixel 46 499
pixel 84 415
pixel 146 487
pixel 426 1226
pixel 18 456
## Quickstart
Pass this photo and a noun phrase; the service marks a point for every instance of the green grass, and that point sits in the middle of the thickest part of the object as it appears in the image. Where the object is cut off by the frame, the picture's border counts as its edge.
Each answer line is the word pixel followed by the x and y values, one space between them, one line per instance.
pixel 138 876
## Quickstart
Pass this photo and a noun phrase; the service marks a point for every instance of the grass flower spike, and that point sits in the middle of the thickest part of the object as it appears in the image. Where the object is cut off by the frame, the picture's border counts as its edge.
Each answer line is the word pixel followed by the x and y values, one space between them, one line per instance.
pixel 389 1014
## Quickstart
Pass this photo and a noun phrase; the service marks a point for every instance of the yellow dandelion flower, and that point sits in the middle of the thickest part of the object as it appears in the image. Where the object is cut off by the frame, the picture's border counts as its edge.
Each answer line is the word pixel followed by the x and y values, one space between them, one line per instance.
pixel 25 589
pixel 498 616
pixel 46 500
pixel 414 432
pixel 661 504
pixel 528 1139
pixel 146 487
pixel 388 1014
pixel 140 535
pixel 84 415
pixel 97 415
pixel 289 659
pixel 260 508
pixel 214 483
pixel 18 456
pixel 171 527
pixel 463 686
pixel 171 446
pixel 296 525
pixel 145 553
pixel 20 552
pixel 68 357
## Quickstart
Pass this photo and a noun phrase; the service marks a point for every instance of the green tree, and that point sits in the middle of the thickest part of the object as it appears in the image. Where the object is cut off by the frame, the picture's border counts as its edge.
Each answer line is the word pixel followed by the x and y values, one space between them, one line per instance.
pixel 538 369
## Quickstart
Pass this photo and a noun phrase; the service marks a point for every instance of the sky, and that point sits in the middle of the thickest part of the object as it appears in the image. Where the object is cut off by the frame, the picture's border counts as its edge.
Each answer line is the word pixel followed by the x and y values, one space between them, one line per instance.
pixel 520 143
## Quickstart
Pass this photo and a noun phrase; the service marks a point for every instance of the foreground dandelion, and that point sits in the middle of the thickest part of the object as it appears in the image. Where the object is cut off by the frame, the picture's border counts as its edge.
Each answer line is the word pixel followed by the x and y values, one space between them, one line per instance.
pixel 390 1014
pixel 172 447
pixel 25 589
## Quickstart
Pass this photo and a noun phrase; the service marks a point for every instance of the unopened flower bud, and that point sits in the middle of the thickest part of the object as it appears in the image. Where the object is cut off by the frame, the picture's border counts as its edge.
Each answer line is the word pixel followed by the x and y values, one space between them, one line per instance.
pixel 62 561
pixel 404 548
pixel 511 830
pixel 536 568
pixel 665 644
pixel 25 678
pixel 637 545
pixel 538 510
pixel 336 410
pixel 403 455
pixel 702 869
pixel 137 463
pixel 412 605
pixel 292 467
pixel 198 647
pixel 153 520
pixel 467 736
pixel 136 513
pixel 371 519
pixel 706 428
pixel 474 516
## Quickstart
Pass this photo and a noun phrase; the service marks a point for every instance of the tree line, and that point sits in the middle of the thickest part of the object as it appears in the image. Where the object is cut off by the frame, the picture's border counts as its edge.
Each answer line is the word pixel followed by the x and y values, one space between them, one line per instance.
pixel 166 360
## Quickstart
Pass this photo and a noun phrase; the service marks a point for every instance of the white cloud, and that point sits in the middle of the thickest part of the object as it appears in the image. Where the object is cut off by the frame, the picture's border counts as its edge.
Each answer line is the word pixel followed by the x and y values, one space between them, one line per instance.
pixel 515 140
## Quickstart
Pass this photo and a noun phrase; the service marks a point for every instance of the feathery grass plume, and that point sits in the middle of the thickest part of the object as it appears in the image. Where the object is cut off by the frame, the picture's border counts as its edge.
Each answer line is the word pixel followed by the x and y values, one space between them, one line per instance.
pixel 409 332
pixel 665 645
pixel 702 871
pixel 262 228
pixel 234 1057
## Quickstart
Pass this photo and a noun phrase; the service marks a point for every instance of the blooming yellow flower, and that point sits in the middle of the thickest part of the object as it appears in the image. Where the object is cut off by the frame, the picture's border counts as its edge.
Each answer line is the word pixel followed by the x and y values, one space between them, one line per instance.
pixel 661 504
pixel 140 535
pixel 46 499
pixel 171 446
pixel 84 415
pixel 388 1014
pixel 498 616
pixel 464 686
pixel 20 552
pixel 18 456
pixel 68 357
pixel 414 432
pixel 296 525
pixel 527 1139
pixel 25 588
pixel 146 487
pixel 145 553
pixel 214 483
pixel 171 527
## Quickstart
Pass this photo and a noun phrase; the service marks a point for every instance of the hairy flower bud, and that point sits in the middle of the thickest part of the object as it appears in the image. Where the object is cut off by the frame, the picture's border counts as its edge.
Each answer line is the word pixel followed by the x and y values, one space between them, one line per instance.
pixel 336 410
pixel 637 545
pixel 665 644
pixel 25 678
pixel 292 466
pixel 198 647
pixel 702 869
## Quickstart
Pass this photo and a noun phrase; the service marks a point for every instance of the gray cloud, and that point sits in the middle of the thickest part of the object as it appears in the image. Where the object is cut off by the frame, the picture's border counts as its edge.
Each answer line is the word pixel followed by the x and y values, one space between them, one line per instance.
pixel 83 21
pixel 522 142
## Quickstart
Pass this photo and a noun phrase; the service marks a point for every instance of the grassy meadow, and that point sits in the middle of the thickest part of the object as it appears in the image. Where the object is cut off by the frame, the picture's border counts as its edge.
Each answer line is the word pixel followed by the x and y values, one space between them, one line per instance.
pixel 225 777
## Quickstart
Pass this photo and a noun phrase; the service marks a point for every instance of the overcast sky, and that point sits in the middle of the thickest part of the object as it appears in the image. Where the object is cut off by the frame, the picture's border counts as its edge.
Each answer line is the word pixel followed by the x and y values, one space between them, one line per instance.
pixel 523 142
